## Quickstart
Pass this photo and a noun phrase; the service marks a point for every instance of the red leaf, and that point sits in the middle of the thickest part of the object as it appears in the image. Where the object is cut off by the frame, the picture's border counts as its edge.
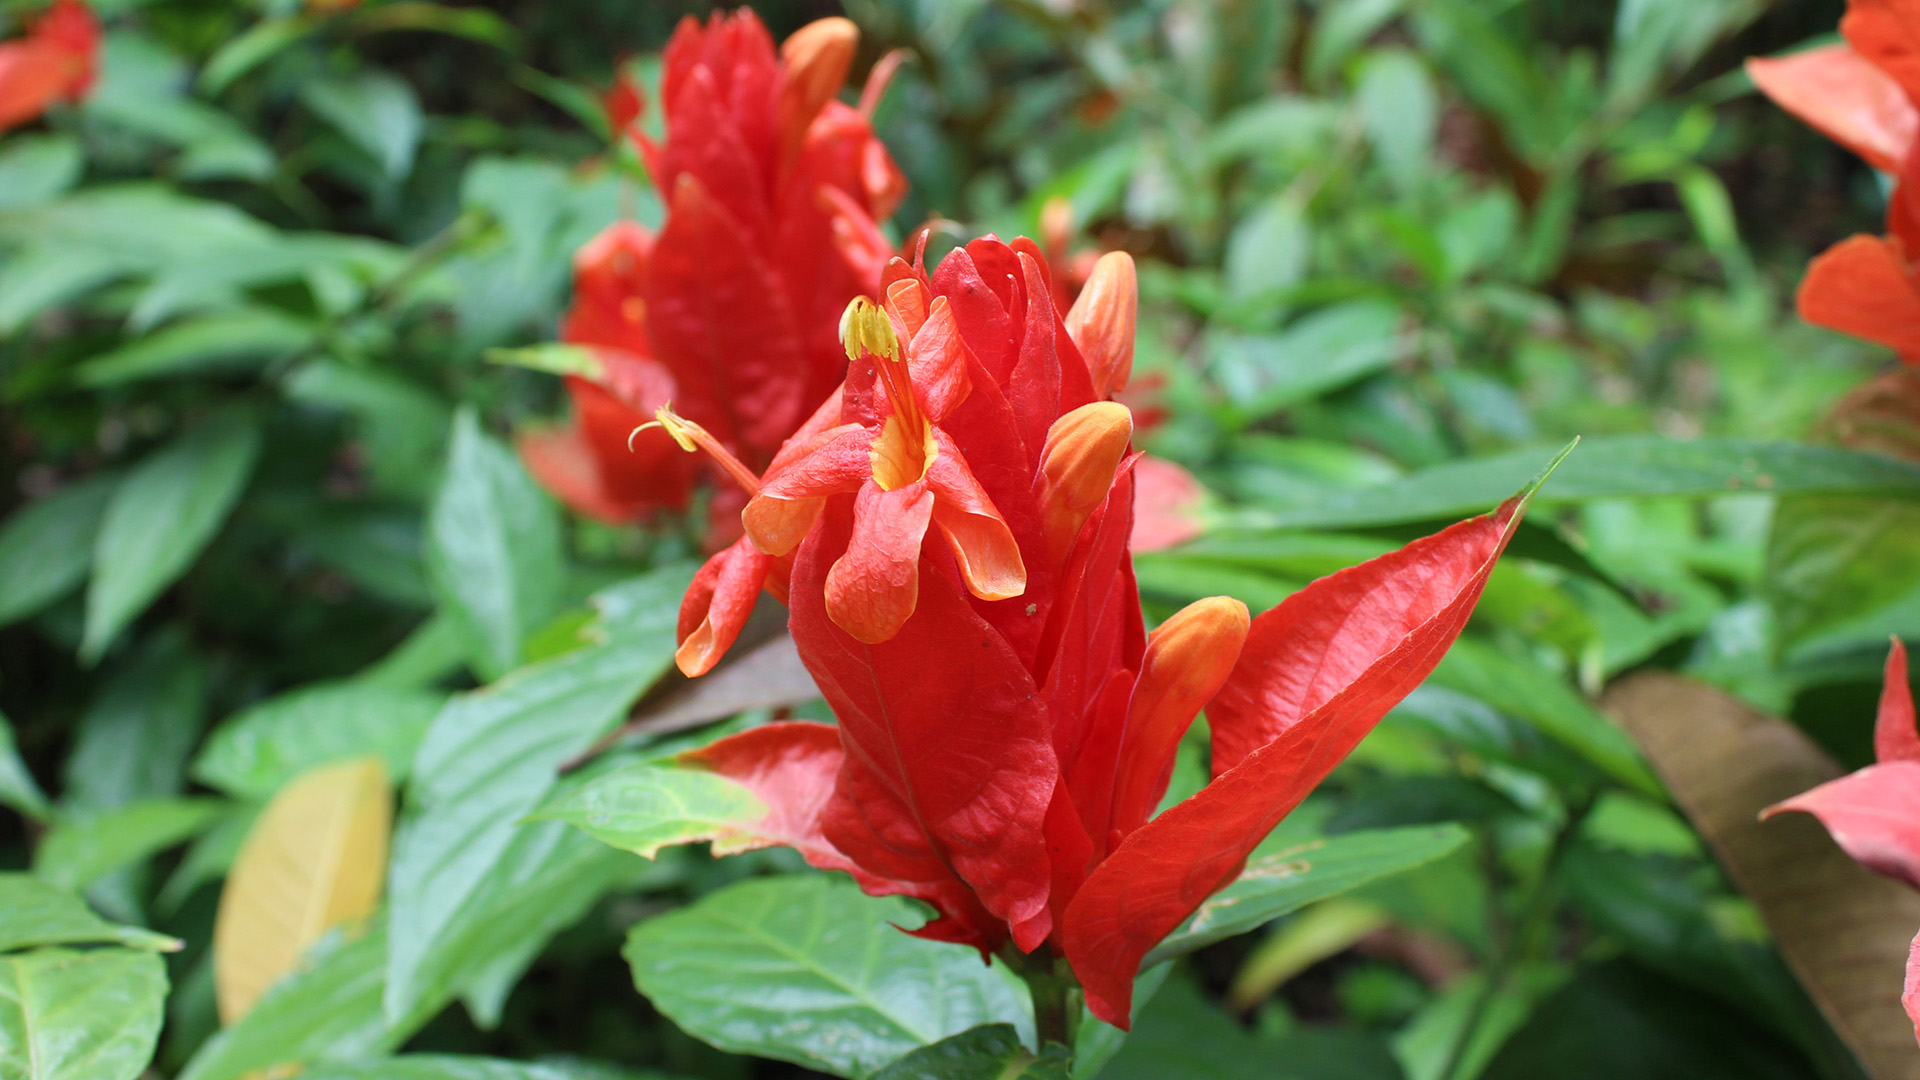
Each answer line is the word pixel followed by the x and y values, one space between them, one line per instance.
pixel 1844 97
pixel 950 767
pixel 790 767
pixel 1317 673
pixel 1873 814
pixel 1894 736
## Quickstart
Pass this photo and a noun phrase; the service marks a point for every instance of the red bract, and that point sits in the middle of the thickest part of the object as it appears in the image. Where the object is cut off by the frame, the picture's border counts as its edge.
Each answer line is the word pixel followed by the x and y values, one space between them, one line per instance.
pixel 54 62
pixel 1874 814
pixel 1004 738
pixel 772 191
pixel 1865 95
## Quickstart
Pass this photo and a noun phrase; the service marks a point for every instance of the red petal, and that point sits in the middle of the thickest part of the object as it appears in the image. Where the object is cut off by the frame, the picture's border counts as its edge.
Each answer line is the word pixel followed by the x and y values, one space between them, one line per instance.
pixel 872 589
pixel 950 769
pixel 1166 505
pixel 717 605
pixel 1845 98
pixel 1317 673
pixel 790 767
pixel 723 328
pixel 1873 814
pixel 1894 736
pixel 989 559
pixel 833 462
pixel 32 77
pixel 982 317
pixel 1861 286
pixel 1911 996
pixel 938 359
pixel 1887 34
pixel 560 459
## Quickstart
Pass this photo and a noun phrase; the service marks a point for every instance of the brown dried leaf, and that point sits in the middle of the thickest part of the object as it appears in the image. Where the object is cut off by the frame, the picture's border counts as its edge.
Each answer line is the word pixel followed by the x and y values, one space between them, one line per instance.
pixel 1843 930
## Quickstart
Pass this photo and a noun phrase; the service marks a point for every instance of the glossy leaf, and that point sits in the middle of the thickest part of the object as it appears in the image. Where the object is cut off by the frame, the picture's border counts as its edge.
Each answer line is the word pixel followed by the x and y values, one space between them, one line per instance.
pixel 252 754
pixel 493 549
pixel 1288 880
pixel 810 970
pixel 457 1067
pixel 315 859
pixel 1834 559
pixel 160 517
pixel 646 806
pixel 992 1052
pixel 34 913
pixel 71 1015
pixel 489 759
pixel 46 547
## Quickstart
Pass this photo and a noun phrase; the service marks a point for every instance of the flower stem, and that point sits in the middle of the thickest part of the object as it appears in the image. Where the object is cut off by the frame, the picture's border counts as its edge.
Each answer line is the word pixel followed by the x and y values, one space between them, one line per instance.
pixel 1055 993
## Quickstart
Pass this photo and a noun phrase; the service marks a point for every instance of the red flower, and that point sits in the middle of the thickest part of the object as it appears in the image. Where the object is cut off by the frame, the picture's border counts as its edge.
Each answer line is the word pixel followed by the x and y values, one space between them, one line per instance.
pixel 54 62
pixel 1865 95
pixel 1000 756
pixel 773 190
pixel 1874 814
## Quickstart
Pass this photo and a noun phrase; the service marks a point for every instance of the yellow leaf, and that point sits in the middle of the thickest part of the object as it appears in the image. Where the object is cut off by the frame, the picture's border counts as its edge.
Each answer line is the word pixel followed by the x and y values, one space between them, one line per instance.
pixel 316 859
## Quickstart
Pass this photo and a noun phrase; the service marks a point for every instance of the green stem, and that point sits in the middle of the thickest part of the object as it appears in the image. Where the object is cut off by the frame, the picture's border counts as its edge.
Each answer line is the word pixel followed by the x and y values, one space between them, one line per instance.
pixel 1055 992
pixel 1533 916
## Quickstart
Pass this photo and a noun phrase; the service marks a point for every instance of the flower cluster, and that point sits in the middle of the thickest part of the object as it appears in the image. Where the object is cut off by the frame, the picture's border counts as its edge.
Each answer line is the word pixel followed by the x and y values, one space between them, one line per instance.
pixel 1874 814
pixel 772 190
pixel 1864 94
pixel 951 533
pixel 54 62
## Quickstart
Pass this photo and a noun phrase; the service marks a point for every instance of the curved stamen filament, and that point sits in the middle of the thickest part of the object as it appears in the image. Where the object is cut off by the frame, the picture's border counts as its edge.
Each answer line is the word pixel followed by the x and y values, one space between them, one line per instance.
pixel 693 438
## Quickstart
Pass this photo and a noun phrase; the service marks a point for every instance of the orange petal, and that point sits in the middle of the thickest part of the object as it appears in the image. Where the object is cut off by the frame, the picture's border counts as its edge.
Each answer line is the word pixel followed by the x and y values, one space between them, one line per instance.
pixel 836 462
pixel 817 57
pixel 937 360
pixel 1886 34
pixel 872 590
pixel 1845 98
pixel 1102 321
pixel 989 557
pixel 1077 467
pixel 1188 659
pixel 717 606
pixel 1861 286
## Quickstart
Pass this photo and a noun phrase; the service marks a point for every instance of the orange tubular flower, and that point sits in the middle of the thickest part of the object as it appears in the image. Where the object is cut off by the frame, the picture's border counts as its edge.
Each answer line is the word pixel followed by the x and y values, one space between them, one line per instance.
pixel 54 62
pixel 1006 727
pixel 773 192
pixel 1865 95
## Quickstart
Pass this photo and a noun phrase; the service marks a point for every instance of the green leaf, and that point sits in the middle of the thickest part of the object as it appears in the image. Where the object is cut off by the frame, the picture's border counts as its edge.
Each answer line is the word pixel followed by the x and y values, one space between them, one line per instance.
pixel 80 850
pixel 493 548
pixel 251 47
pixel 1269 250
pixel 17 787
pixel 808 969
pixel 328 1010
pixel 554 358
pixel 1400 109
pixel 1621 466
pixel 1288 880
pixel 1320 352
pixel 990 1052
pixel 38 168
pixel 160 518
pixel 216 341
pixel 46 547
pixel 137 732
pixel 1522 689
pixel 402 425
pixel 258 750
pixel 376 110
pixel 458 1067
pixel 34 913
pixel 647 805
pixel 67 1015
pixel 1833 559
pixel 489 759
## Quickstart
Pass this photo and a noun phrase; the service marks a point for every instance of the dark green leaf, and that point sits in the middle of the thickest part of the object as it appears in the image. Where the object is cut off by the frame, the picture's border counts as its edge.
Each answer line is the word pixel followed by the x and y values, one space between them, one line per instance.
pixel 67 1015
pixel 992 1052
pixel 1320 352
pixel 17 787
pixel 451 1067
pixel 1288 880
pixel 138 730
pixel 159 519
pixel 215 341
pixel 47 546
pixel 1833 559
pixel 808 969
pixel 376 110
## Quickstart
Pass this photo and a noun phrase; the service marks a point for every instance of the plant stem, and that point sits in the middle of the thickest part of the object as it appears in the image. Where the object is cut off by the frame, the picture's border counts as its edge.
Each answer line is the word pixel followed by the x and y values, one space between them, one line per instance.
pixel 1534 914
pixel 1055 992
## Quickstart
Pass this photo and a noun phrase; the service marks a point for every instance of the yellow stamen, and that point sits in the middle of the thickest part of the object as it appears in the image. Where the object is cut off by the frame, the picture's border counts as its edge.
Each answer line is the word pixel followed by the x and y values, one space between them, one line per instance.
pixel 905 449
pixel 693 438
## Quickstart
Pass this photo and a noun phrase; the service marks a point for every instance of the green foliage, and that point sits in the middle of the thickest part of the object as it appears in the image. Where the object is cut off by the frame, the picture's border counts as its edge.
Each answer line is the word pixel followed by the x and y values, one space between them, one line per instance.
pixel 275 295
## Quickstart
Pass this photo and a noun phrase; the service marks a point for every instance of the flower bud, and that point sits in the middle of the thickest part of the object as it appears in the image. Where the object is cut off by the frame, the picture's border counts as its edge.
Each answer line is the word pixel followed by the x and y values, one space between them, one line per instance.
pixel 1083 451
pixel 1101 323
pixel 817 57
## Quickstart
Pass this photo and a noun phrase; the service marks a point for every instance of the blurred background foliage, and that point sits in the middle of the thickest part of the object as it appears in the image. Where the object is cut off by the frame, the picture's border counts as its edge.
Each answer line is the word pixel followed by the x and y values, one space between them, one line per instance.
pixel 248 421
